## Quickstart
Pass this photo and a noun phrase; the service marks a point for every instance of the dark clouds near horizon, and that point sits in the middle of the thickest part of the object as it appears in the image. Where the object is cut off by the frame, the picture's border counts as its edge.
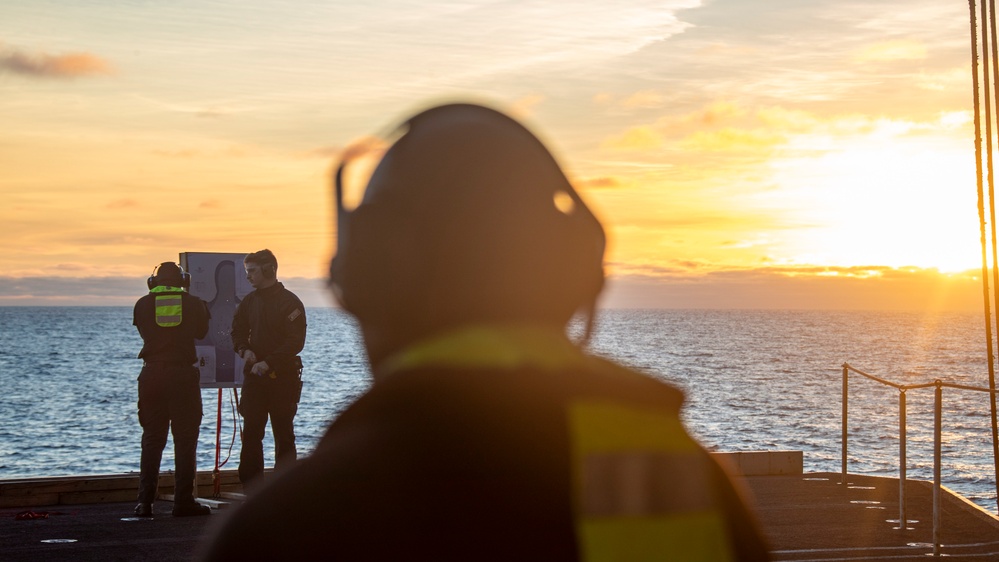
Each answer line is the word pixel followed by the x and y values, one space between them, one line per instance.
pixel 886 289
pixel 116 291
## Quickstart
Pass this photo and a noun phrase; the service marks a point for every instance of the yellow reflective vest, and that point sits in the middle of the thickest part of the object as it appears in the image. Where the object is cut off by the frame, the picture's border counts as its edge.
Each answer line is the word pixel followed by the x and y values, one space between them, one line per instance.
pixel 642 488
pixel 169 306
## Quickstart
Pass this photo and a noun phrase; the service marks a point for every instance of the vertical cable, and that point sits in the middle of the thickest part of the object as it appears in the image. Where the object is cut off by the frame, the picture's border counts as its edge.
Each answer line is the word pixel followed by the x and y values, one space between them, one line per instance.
pixel 992 210
pixel 981 193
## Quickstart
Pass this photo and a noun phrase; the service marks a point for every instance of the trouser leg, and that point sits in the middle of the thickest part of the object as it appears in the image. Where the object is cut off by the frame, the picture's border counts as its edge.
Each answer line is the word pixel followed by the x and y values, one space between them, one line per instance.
pixel 154 417
pixel 186 425
pixel 283 410
pixel 253 407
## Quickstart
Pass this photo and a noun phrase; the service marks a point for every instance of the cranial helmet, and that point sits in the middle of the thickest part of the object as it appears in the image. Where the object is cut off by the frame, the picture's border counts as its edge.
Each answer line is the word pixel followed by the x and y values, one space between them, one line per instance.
pixel 169 274
pixel 467 218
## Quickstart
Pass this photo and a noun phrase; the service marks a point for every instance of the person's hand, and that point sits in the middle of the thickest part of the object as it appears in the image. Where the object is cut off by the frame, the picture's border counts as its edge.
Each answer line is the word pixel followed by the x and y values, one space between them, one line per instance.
pixel 249 356
pixel 260 369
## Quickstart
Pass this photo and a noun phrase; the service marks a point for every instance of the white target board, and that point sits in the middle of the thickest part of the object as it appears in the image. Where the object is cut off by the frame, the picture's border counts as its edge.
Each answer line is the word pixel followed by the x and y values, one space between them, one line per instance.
pixel 220 280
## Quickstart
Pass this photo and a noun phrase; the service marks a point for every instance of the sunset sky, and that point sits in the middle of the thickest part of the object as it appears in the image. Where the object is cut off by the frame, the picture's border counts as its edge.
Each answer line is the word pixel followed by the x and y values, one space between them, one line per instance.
pixel 775 153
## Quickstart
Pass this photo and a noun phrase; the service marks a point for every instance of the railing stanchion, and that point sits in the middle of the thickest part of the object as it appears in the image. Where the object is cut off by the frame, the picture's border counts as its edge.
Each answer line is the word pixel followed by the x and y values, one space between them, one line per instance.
pixel 937 439
pixel 846 377
pixel 902 524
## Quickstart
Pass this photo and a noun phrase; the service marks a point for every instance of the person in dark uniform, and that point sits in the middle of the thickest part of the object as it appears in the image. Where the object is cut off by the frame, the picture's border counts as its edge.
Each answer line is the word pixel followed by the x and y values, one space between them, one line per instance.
pixel 488 433
pixel 268 332
pixel 169 319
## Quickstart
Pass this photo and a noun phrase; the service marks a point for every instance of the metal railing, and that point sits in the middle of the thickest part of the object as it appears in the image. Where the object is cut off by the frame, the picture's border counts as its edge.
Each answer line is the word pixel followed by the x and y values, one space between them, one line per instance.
pixel 937 440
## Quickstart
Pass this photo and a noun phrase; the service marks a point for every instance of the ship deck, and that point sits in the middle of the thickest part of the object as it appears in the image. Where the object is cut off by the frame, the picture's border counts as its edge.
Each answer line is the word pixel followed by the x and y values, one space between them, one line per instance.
pixel 810 516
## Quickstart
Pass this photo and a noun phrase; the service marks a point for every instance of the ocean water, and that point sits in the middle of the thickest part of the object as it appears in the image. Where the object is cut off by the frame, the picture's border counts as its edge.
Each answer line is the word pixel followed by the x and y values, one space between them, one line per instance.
pixel 755 380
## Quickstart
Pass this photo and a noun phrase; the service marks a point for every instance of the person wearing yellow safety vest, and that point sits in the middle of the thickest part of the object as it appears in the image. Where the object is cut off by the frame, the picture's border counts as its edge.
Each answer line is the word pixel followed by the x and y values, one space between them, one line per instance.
pixel 488 433
pixel 169 319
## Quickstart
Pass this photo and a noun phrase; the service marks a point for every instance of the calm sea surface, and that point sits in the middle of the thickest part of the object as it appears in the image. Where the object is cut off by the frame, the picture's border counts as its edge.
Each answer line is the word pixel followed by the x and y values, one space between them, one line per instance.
pixel 755 380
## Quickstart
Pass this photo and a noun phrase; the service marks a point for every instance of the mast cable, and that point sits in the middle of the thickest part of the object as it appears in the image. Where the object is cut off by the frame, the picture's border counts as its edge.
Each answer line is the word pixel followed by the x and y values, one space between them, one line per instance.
pixel 981 210
pixel 992 209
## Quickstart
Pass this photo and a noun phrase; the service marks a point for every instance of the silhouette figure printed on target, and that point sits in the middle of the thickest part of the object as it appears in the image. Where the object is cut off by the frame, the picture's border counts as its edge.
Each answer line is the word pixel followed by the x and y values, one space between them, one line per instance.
pixel 223 307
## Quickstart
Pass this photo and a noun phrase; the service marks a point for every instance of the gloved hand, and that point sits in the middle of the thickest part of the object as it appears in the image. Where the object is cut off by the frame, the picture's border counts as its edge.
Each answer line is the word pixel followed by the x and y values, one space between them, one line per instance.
pixel 260 369
pixel 249 356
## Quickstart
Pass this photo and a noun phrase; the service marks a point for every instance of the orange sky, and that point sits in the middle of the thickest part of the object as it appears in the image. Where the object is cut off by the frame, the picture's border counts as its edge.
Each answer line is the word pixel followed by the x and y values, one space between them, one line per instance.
pixel 783 154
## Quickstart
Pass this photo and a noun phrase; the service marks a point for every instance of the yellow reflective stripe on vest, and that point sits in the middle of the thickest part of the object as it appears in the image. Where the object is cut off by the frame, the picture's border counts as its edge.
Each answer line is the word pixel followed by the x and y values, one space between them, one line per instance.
pixel 169 309
pixel 641 487
pixel 506 347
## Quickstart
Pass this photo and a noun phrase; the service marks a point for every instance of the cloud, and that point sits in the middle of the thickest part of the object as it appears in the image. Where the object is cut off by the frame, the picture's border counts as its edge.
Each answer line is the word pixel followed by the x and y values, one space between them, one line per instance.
pixel 655 135
pixel 806 288
pixel 604 182
pixel 80 290
pixel 123 204
pixel 786 119
pixel 525 107
pixel 678 285
pixel 210 204
pixel 637 138
pixel 643 99
pixel 210 113
pixel 66 66
pixel 603 98
pixel 890 51
pixel 733 139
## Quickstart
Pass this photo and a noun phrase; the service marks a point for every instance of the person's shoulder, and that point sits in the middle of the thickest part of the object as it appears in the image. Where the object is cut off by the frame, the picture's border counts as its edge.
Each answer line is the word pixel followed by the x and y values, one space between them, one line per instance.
pixel 248 297
pixel 143 302
pixel 288 292
pixel 192 298
pixel 290 300
pixel 609 378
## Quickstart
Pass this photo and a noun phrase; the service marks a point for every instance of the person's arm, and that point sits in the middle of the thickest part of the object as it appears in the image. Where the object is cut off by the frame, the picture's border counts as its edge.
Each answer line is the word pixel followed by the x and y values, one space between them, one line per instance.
pixel 240 328
pixel 135 318
pixel 202 317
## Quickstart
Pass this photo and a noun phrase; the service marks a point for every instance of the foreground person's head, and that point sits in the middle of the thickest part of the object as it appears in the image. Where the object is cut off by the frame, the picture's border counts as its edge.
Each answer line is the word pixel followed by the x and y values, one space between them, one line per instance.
pixel 467 220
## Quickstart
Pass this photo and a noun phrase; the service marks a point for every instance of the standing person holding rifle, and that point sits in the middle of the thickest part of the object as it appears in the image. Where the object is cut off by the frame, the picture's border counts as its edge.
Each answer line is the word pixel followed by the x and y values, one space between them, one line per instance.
pixel 268 332
pixel 169 319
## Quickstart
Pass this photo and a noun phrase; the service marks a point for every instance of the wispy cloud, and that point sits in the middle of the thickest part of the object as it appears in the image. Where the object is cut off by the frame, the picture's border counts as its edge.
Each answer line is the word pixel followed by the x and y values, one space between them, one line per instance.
pixel 890 51
pixel 43 65
pixel 636 138
pixel 525 107
pixel 644 99
pixel 815 288
pixel 603 182
pixel 123 204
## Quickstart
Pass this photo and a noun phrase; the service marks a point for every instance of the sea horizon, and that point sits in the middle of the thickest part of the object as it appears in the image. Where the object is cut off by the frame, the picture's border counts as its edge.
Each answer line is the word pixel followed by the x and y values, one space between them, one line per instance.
pixel 754 379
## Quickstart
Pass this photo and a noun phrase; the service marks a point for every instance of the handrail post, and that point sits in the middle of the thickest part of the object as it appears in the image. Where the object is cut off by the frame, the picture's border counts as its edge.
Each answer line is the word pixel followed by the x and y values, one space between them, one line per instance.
pixel 902 523
pixel 937 438
pixel 846 377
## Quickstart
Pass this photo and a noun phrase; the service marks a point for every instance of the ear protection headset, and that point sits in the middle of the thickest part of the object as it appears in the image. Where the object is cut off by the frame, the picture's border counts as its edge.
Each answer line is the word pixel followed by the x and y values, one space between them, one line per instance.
pixel 269 270
pixel 266 260
pixel 461 221
pixel 170 274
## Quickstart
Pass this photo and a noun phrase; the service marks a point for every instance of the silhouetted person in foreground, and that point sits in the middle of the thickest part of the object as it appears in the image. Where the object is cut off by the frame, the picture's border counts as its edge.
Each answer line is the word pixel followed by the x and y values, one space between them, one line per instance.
pixel 268 332
pixel 488 433
pixel 169 319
